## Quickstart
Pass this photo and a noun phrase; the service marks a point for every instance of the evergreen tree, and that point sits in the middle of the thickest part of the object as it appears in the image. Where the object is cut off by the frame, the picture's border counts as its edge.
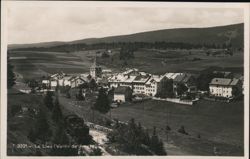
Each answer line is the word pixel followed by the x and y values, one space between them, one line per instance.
pixel 57 112
pixel 169 88
pixel 60 138
pixel 156 144
pixel 10 75
pixel 48 100
pixel 42 130
pixel 181 88
pixel 80 95
pixel 102 103
pixel 92 84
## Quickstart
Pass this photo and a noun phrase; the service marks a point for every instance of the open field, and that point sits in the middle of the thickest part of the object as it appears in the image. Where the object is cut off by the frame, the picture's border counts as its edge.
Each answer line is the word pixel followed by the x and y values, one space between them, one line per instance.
pixel 219 124
pixel 35 64
pixel 159 62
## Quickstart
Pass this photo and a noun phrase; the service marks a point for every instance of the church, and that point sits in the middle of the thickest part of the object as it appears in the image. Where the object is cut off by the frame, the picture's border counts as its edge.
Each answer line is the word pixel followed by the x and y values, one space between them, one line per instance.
pixel 95 70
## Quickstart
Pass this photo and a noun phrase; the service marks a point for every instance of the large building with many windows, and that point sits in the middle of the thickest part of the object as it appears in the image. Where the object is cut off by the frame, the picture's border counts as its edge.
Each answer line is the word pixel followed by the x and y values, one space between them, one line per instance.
pixel 139 82
pixel 224 87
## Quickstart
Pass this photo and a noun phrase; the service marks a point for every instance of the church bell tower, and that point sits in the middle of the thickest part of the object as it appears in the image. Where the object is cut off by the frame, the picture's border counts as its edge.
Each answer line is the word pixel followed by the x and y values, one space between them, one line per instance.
pixel 95 70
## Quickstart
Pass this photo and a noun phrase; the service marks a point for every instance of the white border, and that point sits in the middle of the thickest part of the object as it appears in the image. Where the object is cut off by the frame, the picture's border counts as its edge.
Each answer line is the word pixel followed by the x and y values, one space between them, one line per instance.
pixel 4 31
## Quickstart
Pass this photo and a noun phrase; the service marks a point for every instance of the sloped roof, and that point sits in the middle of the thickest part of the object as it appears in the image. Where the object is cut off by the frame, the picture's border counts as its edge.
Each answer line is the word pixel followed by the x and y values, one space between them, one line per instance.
pixel 179 78
pixel 234 82
pixel 186 78
pixel 128 71
pixel 129 79
pixel 67 77
pixel 77 77
pixel 171 75
pixel 121 90
pixel 141 79
pixel 221 81
pixel 155 78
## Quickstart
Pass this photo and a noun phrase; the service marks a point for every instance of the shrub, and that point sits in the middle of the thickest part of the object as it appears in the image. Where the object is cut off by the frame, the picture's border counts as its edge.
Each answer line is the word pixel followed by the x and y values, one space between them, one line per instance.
pixel 182 130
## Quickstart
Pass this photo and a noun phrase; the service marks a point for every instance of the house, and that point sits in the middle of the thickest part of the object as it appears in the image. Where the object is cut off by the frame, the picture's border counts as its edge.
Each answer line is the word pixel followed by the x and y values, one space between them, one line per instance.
pixel 53 84
pixel 187 80
pixel 139 84
pixel 76 81
pixel 57 76
pixel 64 81
pixel 224 87
pixel 106 72
pixel 46 83
pixel 121 80
pixel 122 94
pixel 154 84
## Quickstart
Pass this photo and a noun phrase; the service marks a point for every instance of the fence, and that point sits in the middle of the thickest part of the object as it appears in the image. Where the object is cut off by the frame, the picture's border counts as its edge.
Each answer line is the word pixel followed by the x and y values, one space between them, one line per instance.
pixel 175 100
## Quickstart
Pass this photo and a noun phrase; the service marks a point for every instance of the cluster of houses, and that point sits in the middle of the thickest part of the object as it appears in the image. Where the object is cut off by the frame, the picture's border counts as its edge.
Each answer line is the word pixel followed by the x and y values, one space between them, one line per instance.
pixel 62 79
pixel 133 81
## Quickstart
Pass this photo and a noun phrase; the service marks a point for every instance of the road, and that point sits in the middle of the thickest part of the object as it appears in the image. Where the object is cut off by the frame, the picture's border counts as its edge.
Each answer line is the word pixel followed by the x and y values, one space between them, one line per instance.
pixel 83 110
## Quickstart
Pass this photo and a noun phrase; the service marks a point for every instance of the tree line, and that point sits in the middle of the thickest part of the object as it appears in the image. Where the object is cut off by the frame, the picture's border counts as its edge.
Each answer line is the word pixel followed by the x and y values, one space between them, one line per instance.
pixel 131 45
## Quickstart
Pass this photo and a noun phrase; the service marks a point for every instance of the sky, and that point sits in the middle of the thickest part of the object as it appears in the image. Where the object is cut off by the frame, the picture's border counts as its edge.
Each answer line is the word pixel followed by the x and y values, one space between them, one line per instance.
pixel 28 24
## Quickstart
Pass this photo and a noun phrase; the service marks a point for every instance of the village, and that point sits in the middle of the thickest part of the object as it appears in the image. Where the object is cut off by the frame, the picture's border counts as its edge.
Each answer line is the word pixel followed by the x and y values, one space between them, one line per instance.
pixel 79 93
pixel 134 85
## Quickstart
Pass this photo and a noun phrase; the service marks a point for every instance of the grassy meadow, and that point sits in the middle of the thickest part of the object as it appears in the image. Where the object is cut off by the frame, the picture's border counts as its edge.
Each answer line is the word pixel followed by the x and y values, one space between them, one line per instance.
pixel 218 124
pixel 34 64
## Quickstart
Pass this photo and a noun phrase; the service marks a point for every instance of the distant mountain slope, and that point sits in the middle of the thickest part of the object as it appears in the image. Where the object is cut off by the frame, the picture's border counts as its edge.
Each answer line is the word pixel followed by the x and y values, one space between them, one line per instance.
pixel 211 35
pixel 42 44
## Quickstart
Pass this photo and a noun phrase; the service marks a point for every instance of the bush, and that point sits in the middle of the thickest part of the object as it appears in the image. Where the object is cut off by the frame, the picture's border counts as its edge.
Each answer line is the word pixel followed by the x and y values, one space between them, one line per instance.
pixel 168 128
pixel 182 130
pixel 95 152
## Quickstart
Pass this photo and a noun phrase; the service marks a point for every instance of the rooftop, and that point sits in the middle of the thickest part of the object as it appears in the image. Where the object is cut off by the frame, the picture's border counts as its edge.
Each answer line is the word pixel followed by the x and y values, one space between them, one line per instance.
pixel 224 81
pixel 121 90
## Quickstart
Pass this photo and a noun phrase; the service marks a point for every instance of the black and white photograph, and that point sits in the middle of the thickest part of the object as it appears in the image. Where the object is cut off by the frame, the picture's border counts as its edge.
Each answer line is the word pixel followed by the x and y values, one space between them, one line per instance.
pixel 124 79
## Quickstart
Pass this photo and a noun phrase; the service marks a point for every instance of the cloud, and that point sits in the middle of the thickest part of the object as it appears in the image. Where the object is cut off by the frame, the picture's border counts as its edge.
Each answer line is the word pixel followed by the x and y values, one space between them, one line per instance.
pixel 65 23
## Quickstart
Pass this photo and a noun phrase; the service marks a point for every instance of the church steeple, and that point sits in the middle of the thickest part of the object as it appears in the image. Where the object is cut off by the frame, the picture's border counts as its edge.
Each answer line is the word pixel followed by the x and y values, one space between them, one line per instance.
pixel 95 70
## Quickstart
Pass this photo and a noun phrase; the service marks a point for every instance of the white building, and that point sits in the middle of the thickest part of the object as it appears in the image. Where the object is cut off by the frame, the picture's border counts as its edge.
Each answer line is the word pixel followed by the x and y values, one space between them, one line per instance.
pixel 223 87
pixel 46 83
pixel 53 83
pixel 122 94
pixel 76 81
pixel 139 84
pixel 154 84
pixel 121 80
